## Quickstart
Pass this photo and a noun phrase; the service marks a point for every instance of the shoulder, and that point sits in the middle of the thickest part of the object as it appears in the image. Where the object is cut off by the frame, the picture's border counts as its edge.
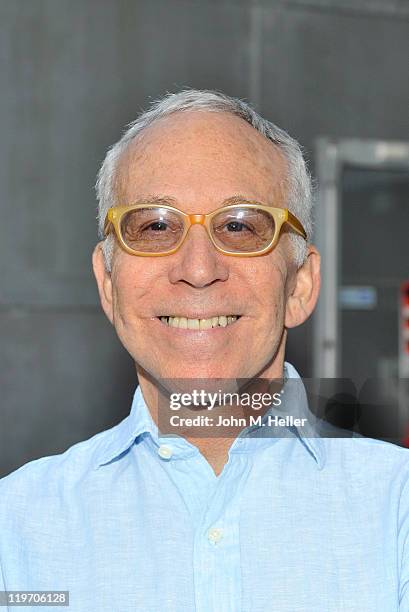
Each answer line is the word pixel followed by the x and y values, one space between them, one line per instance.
pixel 49 475
pixel 369 457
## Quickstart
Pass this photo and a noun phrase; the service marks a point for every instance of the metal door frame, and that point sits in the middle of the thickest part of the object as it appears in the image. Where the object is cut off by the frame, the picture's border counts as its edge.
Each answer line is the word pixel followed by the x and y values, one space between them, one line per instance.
pixel 331 156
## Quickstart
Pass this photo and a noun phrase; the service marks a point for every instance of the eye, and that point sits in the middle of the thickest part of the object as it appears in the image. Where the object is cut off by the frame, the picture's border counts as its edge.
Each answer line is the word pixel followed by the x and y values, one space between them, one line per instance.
pixel 236 226
pixel 233 227
pixel 157 226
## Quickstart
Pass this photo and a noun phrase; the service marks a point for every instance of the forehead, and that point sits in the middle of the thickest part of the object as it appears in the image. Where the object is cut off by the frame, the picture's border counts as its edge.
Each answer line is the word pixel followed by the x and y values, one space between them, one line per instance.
pixel 201 158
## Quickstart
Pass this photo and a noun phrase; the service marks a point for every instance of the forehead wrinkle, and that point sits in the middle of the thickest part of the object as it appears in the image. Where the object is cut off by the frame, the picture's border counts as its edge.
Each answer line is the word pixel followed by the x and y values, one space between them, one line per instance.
pixel 244 136
pixel 128 160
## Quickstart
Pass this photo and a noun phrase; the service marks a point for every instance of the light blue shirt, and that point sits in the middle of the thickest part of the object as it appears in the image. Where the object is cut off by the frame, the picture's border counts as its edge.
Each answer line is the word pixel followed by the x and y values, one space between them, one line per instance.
pixel 292 524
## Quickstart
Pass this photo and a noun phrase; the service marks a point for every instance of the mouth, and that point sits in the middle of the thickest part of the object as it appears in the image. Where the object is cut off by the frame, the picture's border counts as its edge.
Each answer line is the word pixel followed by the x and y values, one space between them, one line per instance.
pixel 199 324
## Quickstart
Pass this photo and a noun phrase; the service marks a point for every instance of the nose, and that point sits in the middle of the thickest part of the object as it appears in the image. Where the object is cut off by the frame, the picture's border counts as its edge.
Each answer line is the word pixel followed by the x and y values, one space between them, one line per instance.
pixel 197 262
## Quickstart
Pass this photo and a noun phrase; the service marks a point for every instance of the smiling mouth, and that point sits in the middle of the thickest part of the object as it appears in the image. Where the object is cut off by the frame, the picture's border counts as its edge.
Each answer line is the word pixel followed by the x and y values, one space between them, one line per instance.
pixel 185 323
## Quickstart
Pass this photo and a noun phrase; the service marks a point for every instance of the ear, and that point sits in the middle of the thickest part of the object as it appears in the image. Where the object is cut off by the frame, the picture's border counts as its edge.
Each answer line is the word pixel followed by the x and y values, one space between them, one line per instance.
pixel 304 291
pixel 104 281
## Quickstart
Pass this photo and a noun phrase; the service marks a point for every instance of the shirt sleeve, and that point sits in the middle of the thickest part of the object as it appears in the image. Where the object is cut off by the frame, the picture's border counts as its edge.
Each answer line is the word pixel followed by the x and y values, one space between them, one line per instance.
pixel 2 581
pixel 403 549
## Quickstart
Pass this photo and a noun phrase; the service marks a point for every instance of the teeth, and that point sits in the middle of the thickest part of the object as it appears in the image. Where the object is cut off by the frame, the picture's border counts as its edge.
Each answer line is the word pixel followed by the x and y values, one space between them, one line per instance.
pixel 184 323
pixel 205 323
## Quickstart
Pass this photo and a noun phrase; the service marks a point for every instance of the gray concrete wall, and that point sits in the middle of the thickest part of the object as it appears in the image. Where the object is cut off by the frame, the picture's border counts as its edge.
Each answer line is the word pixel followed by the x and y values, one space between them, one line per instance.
pixel 72 74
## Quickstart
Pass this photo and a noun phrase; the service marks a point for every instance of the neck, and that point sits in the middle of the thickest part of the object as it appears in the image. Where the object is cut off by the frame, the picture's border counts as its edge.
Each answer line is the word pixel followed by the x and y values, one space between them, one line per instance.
pixel 215 449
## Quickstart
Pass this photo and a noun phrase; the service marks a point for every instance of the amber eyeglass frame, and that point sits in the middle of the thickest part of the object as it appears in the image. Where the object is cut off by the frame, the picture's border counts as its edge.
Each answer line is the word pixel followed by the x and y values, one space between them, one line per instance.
pixel 280 215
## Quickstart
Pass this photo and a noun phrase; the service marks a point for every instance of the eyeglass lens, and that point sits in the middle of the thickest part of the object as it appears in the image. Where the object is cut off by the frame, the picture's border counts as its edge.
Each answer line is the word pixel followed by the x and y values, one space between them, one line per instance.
pixel 156 229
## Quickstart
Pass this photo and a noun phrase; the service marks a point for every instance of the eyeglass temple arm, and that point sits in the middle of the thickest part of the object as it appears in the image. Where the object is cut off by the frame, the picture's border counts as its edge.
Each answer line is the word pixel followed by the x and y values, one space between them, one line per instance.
pixel 107 223
pixel 293 221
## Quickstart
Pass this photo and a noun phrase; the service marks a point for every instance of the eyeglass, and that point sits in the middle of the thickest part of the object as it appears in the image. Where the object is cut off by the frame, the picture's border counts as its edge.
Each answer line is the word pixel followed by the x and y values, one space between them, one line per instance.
pixel 237 229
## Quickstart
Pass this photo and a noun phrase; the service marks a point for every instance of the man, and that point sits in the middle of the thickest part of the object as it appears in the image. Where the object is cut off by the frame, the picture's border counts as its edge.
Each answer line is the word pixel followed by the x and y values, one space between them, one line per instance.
pixel 202 270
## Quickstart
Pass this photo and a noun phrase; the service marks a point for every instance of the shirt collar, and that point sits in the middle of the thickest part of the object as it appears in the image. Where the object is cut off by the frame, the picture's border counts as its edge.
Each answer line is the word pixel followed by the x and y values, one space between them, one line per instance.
pixel 297 405
pixel 120 438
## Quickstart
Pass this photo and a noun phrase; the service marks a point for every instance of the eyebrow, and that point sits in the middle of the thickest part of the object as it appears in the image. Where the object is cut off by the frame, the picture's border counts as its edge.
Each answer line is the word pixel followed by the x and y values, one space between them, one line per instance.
pixel 239 199
pixel 171 201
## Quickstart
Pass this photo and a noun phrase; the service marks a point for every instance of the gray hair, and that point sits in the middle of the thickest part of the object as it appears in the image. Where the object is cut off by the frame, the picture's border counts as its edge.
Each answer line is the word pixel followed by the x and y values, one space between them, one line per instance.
pixel 299 186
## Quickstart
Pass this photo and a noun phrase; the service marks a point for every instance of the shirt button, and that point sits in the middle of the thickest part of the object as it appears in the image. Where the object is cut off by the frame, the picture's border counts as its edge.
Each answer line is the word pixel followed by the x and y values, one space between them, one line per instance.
pixel 165 451
pixel 215 534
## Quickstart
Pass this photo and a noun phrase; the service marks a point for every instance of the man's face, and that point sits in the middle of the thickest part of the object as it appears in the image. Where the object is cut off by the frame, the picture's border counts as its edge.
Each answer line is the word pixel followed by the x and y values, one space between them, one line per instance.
pixel 200 161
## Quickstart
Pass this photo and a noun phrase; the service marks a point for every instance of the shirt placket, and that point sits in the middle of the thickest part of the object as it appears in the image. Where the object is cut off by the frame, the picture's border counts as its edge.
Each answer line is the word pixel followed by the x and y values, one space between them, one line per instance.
pixel 214 506
pixel 217 563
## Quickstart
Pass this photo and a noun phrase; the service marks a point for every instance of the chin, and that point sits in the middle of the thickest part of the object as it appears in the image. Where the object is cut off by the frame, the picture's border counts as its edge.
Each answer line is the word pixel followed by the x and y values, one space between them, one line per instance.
pixel 209 370
pixel 210 379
